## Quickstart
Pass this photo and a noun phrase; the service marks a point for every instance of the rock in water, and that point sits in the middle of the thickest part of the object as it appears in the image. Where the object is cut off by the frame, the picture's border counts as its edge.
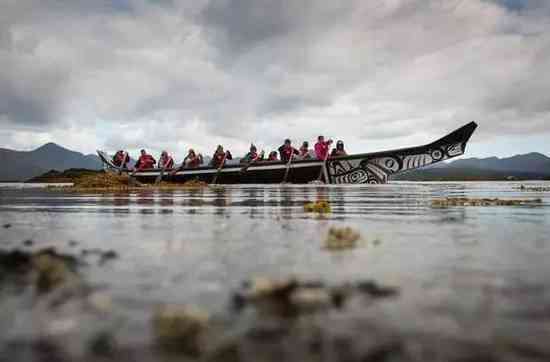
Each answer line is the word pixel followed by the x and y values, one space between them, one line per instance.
pixel 180 328
pixel 341 238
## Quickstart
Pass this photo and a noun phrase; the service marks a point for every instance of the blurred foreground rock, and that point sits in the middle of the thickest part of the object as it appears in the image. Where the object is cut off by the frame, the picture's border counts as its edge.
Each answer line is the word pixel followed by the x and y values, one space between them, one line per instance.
pixel 267 319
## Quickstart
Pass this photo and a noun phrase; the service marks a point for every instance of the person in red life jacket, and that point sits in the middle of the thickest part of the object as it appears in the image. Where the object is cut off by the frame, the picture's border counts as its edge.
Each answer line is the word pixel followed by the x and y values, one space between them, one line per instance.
pixel 166 161
pixel 322 148
pixel 273 156
pixel 304 151
pixel 286 151
pixel 220 157
pixel 252 155
pixel 339 150
pixel 121 159
pixel 192 159
pixel 145 161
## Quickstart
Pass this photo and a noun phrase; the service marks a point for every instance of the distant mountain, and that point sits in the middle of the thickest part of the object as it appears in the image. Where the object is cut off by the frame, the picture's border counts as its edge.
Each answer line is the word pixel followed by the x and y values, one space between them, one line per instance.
pixel 523 167
pixel 22 165
pixel 531 162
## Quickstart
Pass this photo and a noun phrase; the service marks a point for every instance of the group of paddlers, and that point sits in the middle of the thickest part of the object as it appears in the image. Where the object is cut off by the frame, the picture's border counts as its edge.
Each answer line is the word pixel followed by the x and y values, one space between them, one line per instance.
pixel 286 153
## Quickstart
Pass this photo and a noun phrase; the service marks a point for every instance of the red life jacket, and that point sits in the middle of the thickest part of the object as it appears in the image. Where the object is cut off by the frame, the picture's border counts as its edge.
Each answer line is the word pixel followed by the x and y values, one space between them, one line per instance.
pixel 146 162
pixel 194 161
pixel 218 158
pixel 167 162
pixel 286 152
pixel 321 150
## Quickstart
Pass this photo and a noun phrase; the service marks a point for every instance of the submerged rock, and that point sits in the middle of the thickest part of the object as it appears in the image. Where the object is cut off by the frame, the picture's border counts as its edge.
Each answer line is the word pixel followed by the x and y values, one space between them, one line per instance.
pixel 102 255
pixel 261 287
pixel 293 297
pixel 374 290
pixel 45 269
pixel 310 299
pixel 53 270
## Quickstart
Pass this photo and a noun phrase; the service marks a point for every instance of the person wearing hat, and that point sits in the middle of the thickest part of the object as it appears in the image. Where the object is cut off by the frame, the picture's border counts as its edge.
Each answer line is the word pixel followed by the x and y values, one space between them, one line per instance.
pixel 339 150
pixel 252 155
pixel 287 151
pixel 145 161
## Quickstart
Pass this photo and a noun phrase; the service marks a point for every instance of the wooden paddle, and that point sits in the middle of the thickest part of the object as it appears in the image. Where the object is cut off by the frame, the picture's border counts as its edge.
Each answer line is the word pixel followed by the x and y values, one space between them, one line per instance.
pixel 323 166
pixel 219 168
pixel 131 180
pixel 288 166
pixel 121 167
pixel 245 167
pixel 161 174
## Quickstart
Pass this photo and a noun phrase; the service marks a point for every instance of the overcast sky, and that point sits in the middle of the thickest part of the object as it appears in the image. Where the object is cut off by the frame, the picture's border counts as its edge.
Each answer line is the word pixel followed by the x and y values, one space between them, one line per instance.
pixel 172 74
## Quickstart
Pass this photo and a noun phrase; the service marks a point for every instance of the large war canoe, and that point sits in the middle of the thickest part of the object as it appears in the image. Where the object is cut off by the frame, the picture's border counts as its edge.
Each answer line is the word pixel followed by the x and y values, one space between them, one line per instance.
pixel 371 168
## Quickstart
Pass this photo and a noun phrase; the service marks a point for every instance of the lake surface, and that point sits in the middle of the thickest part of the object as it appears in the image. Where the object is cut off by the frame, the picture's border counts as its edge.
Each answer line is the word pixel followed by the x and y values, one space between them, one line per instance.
pixel 458 268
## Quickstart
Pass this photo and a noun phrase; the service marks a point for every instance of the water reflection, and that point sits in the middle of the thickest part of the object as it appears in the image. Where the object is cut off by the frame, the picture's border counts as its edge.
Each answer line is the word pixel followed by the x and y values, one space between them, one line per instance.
pixel 266 201
pixel 199 241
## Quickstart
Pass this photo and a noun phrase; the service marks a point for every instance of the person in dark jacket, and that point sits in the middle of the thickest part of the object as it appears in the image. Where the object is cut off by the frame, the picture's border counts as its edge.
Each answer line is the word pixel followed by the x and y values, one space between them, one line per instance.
pixel 219 157
pixel 192 160
pixel 121 159
pixel 304 151
pixel 286 151
pixel 339 150
pixel 273 156
pixel 145 161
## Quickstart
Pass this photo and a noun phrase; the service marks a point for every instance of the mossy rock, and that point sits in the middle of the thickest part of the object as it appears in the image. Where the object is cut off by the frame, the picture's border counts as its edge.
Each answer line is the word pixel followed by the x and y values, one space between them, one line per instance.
pixel 180 328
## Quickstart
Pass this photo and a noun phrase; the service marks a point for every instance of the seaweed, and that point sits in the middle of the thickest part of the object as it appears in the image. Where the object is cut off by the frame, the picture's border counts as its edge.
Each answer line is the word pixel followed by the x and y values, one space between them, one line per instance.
pixel 321 207
pixel 341 238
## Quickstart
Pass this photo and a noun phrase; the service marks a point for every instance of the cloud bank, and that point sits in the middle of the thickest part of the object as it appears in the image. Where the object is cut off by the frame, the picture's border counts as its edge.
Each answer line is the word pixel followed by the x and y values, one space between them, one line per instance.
pixel 179 74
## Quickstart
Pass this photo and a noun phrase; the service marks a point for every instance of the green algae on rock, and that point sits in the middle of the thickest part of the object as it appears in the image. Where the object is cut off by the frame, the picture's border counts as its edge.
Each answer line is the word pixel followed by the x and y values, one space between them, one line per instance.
pixel 106 182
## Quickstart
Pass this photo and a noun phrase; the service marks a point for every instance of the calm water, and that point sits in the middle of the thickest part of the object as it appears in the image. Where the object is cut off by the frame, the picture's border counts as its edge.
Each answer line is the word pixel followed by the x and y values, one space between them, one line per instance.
pixel 196 246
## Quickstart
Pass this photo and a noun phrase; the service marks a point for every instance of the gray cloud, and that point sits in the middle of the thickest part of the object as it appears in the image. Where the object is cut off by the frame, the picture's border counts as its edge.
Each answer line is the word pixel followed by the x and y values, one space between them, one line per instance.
pixel 174 73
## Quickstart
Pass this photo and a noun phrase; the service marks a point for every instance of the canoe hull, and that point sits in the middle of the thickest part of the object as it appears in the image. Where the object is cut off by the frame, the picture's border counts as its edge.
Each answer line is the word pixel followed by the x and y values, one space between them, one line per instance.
pixel 371 168
pixel 264 174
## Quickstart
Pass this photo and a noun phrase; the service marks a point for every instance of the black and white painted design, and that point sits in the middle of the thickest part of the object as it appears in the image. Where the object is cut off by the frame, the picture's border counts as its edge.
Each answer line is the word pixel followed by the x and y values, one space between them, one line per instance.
pixel 377 168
